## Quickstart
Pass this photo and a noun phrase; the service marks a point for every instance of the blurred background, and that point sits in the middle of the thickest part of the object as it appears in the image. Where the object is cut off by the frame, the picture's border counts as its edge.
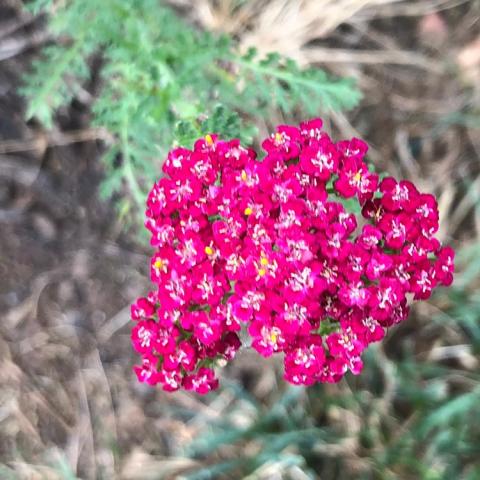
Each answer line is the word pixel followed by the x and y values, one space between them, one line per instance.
pixel 72 260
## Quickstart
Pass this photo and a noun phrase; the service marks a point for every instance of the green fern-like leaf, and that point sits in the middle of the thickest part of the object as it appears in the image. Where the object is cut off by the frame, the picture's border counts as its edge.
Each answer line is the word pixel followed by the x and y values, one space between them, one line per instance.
pixel 280 81
pixel 163 81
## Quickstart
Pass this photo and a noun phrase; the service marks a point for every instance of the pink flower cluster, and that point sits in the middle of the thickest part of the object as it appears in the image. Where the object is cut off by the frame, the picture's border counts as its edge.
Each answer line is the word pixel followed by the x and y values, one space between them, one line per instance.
pixel 269 247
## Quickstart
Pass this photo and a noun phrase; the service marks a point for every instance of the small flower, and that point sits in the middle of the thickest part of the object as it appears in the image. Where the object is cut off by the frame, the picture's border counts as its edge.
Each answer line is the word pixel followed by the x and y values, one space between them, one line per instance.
pixel 202 382
pixel 386 296
pixel 354 148
pixel 177 164
pixel 285 141
pixel 312 129
pixel 398 196
pixel 144 336
pixel 444 266
pixel 267 339
pixel 355 179
pixel 344 344
pixel 395 229
pixel 294 319
pixel 354 294
pixel 184 356
pixel 148 372
pixel 423 281
pixel 206 330
pixel 320 159
pixel 370 237
pixel 142 309
pixel 175 290
pixel 171 380
pixel 378 264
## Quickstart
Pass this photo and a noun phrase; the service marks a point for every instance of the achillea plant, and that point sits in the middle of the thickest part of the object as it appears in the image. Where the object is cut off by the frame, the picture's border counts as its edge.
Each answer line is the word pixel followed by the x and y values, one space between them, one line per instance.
pixel 268 246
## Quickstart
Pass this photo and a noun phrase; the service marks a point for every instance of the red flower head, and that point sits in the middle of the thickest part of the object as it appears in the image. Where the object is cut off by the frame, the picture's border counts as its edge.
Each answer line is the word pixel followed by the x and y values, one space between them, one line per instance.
pixel 272 248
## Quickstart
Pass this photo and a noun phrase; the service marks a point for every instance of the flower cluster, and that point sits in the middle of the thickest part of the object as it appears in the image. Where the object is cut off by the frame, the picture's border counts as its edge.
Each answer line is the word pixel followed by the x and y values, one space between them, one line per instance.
pixel 268 247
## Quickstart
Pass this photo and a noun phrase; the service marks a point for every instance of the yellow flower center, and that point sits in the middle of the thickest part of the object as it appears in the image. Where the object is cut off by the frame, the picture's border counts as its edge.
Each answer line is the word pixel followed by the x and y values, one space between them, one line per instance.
pixel 158 264
pixel 273 337
pixel 208 139
pixel 263 261
pixel 262 272
pixel 208 250
pixel 244 175
pixel 278 137
pixel 358 176
pixel 248 211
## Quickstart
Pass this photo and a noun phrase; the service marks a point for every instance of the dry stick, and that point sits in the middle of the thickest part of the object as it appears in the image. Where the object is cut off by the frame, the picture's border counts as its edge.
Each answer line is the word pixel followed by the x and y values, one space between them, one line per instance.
pixel 87 421
pixel 115 323
pixel 110 464
pixel 101 370
pixel 12 26
pixel 396 57
pixel 405 155
pixel 469 201
pixel 418 8
pixel 11 47
pixel 30 305
pixel 55 140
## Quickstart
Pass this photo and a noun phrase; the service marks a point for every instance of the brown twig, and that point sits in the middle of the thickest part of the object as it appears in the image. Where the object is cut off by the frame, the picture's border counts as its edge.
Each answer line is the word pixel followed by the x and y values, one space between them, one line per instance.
pixel 58 139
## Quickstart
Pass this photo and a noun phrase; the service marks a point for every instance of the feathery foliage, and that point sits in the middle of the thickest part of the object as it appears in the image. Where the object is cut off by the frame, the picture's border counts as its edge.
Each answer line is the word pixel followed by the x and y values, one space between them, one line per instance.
pixel 163 82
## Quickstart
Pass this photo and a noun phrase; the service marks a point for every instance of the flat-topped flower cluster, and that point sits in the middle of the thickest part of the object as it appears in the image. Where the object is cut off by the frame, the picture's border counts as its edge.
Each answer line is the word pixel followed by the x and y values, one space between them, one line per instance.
pixel 268 247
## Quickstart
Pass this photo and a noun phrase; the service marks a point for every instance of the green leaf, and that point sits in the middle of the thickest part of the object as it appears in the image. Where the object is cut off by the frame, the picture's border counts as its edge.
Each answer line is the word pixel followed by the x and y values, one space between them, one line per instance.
pixel 459 406
pixel 164 83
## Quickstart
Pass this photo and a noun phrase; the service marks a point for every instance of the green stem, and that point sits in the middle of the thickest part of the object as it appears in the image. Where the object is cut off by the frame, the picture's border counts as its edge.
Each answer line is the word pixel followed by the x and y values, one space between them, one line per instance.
pixel 128 171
